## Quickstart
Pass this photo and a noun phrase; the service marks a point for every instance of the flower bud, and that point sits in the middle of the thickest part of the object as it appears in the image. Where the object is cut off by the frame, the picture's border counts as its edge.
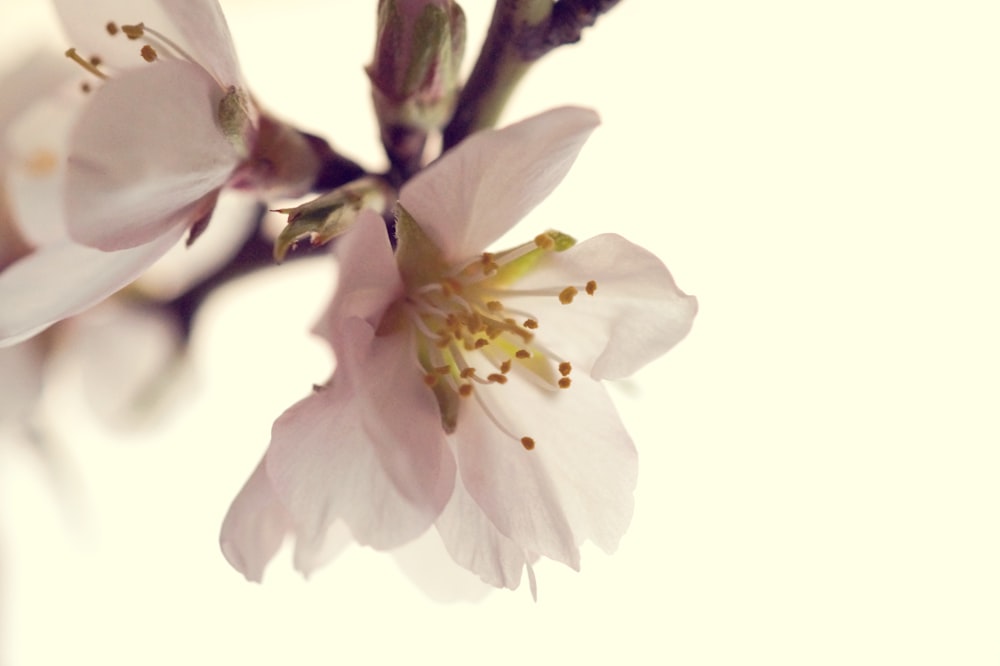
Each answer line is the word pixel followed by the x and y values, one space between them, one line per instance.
pixel 330 215
pixel 415 70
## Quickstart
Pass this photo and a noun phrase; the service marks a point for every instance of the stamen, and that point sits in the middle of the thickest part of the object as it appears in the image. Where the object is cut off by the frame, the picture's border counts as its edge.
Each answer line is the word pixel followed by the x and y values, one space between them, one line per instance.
pixel 494 306
pixel 591 287
pixel 431 379
pixel 148 53
pixel 531 323
pixel 528 443
pixel 505 366
pixel 522 353
pixel 545 241
pixel 85 87
pixel 565 368
pixel 494 377
pixel 134 31
pixel 112 28
pixel 564 382
pixel 95 60
pixel 75 57
pixel 567 295
pixel 465 390
pixel 467 372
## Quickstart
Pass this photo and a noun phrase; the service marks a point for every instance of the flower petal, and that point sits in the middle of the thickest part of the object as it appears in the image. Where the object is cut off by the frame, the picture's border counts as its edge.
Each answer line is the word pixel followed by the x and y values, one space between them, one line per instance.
pixel 20 379
pixel 255 526
pixel 62 279
pixel 324 466
pixel 368 280
pixel 144 152
pixel 197 26
pixel 482 187
pixel 476 544
pixel 575 484
pixel 204 28
pixel 85 25
pixel 636 314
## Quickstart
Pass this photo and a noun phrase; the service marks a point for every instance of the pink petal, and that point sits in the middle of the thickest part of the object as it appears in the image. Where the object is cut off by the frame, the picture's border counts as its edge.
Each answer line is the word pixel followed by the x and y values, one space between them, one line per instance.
pixel 85 25
pixel 576 483
pixel 486 184
pixel 476 544
pixel 636 314
pixel 203 26
pixel 324 466
pixel 197 26
pixel 144 152
pixel 368 280
pixel 255 526
pixel 63 279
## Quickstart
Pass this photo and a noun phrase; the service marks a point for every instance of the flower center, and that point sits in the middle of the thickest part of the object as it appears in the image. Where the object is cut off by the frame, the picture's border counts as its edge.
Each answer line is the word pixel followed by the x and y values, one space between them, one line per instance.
pixel 469 339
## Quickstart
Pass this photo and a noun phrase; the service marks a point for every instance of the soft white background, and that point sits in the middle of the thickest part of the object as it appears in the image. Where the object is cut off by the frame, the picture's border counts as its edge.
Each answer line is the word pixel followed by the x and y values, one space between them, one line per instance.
pixel 819 459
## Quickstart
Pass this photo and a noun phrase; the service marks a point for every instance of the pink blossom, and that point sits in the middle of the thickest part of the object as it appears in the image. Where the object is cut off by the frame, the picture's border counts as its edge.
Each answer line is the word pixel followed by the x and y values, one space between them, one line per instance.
pixel 137 161
pixel 467 394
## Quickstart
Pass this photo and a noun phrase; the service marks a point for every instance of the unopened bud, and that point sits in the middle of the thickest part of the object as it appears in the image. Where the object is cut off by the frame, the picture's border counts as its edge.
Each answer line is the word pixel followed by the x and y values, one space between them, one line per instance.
pixel 418 53
pixel 327 217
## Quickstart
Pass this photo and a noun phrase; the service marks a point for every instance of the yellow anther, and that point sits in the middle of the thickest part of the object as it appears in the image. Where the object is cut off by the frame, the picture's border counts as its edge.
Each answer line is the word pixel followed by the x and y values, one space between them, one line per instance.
pixel 467 372
pixel 564 382
pixel 591 287
pixel 465 390
pixel 545 241
pixel 530 323
pixel 498 378
pixel 505 366
pixel 522 353
pixel 527 443
pixel 112 28
pixel 494 306
pixel 148 53
pixel 134 31
pixel 567 295
pixel 565 368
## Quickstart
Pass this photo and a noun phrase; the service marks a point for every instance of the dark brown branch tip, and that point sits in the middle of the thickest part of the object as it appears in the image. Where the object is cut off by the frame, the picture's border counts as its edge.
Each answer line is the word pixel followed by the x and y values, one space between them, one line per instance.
pixel 564 26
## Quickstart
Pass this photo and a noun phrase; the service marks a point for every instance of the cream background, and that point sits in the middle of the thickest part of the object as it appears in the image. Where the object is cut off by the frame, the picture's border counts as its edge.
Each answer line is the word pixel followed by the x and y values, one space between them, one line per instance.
pixel 818 475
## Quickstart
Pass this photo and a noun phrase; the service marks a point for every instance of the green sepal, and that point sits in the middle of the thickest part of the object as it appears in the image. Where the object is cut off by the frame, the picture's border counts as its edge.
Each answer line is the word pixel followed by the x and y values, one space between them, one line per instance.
pixel 419 259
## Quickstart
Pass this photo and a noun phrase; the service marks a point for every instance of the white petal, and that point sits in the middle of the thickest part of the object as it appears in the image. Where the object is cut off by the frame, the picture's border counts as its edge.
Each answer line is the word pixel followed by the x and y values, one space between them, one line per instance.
pixel 576 483
pixel 486 184
pixel 255 526
pixel 62 279
pixel 636 314
pixel 144 153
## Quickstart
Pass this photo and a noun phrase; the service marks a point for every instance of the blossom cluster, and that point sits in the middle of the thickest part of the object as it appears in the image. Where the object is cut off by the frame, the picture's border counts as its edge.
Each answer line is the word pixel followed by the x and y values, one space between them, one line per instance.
pixel 467 396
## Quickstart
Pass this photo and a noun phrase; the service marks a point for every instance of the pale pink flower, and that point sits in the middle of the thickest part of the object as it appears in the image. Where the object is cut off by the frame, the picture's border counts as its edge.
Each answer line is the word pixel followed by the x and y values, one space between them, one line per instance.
pixel 168 123
pixel 467 391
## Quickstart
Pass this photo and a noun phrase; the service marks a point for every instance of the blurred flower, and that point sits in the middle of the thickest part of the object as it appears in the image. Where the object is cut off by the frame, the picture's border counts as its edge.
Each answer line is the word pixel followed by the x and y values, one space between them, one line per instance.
pixel 467 394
